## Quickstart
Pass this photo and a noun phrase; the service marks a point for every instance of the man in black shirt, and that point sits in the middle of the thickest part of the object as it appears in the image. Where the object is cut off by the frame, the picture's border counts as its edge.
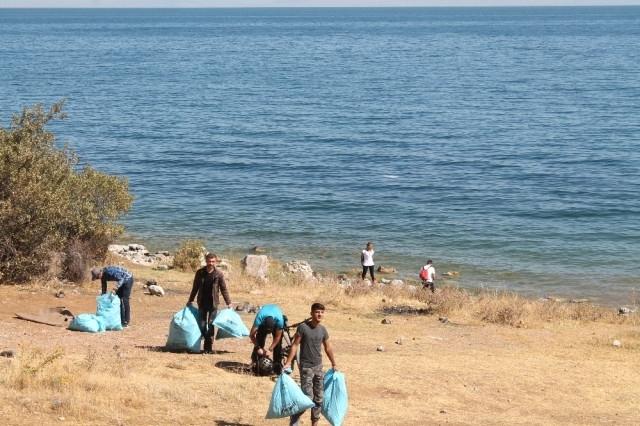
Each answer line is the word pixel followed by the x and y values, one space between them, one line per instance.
pixel 207 284
pixel 310 337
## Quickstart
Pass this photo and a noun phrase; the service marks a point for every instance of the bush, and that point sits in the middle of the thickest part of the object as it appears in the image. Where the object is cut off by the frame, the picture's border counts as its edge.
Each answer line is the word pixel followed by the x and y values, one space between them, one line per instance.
pixel 49 204
pixel 189 256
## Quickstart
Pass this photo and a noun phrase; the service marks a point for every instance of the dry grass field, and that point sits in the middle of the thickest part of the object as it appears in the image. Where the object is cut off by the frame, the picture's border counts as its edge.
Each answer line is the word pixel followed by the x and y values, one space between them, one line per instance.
pixel 498 359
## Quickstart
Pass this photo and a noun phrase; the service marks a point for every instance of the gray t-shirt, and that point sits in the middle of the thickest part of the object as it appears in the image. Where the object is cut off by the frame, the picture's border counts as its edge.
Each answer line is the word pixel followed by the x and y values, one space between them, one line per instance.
pixel 311 344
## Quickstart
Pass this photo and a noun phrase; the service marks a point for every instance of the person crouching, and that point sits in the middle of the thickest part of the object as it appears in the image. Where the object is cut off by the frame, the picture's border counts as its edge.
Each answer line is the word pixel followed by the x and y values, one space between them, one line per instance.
pixel 269 320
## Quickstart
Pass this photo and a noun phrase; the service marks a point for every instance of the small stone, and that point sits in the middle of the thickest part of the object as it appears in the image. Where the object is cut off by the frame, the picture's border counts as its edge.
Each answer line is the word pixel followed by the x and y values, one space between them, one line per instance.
pixel 258 249
pixel 397 283
pixel 443 320
pixel 399 341
pixel 624 310
pixel 386 321
pixel 443 411
pixel 151 282
pixel 617 343
pixel 387 270
pixel 8 353
pixel 60 294
pixel 161 267
pixel 380 349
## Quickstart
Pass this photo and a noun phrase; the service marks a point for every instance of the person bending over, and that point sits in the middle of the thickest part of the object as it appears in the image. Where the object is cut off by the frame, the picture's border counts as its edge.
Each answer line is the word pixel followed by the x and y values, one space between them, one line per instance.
pixel 123 287
pixel 269 320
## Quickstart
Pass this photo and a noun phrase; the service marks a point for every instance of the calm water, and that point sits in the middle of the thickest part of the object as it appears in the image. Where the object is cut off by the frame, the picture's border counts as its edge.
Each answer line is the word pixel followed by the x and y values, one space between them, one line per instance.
pixel 501 142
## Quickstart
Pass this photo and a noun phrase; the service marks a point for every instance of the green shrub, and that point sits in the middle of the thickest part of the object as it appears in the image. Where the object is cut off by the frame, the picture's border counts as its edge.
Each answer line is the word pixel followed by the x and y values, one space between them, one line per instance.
pixel 49 204
pixel 189 255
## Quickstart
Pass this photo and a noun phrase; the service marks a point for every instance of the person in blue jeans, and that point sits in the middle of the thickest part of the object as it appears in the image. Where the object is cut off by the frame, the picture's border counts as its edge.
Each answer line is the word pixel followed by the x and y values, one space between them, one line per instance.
pixel 269 320
pixel 123 287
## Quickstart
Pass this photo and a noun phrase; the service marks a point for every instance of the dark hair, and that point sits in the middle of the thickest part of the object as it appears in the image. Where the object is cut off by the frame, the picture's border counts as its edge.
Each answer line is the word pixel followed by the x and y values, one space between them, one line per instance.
pixel 429 262
pixel 211 256
pixel 317 307
pixel 269 323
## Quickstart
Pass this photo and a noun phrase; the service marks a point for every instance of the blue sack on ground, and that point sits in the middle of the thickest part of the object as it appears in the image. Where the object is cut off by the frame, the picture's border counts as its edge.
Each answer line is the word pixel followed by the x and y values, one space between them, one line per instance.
pixel 184 332
pixel 336 400
pixel 109 310
pixel 287 399
pixel 231 324
pixel 87 322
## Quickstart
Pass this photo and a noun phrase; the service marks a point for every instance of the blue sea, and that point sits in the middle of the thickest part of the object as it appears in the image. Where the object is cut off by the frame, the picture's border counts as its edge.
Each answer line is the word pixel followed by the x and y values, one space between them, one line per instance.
pixel 503 143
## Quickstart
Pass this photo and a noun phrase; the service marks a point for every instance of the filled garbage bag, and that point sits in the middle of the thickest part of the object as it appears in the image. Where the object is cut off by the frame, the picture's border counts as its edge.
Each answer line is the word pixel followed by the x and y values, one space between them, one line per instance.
pixel 230 324
pixel 336 400
pixel 184 332
pixel 87 322
pixel 287 399
pixel 109 310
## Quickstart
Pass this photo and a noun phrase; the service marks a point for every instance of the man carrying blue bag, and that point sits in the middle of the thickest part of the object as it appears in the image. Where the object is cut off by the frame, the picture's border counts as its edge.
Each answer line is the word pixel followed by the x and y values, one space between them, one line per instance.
pixel 208 283
pixel 310 337
pixel 123 287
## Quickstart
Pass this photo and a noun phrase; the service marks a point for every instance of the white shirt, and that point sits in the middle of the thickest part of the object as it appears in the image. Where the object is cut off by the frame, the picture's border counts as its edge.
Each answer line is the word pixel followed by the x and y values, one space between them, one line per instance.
pixel 367 258
pixel 431 273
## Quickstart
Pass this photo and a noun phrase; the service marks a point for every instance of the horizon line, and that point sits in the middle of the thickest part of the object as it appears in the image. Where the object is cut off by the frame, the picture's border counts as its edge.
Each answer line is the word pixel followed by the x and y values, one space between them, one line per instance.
pixel 331 7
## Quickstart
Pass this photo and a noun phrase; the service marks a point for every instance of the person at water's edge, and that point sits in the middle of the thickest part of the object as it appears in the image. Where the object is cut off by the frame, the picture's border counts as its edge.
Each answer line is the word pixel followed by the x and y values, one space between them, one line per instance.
pixel 310 337
pixel 208 283
pixel 123 287
pixel 366 258
pixel 429 274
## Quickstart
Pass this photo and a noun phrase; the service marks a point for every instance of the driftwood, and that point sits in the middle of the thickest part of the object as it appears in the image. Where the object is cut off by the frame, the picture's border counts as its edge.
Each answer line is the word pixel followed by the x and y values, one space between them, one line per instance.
pixel 58 317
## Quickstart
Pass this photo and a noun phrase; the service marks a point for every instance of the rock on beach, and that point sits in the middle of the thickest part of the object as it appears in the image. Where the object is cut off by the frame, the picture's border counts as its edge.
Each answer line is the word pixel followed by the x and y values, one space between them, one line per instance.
pixel 256 266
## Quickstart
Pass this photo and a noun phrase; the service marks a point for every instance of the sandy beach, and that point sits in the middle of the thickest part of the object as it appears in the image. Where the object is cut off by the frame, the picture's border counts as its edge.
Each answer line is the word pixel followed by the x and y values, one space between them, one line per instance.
pixel 461 369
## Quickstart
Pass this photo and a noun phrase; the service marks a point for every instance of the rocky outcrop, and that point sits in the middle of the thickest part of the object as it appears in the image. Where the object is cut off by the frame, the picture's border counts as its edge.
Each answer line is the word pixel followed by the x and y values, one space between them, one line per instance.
pixel 138 254
pixel 300 268
pixel 387 270
pixel 256 266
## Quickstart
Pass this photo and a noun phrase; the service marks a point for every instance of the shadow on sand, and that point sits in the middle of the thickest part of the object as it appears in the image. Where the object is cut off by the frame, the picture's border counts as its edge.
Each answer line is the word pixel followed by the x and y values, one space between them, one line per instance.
pixel 151 348
pixel 226 423
pixel 235 367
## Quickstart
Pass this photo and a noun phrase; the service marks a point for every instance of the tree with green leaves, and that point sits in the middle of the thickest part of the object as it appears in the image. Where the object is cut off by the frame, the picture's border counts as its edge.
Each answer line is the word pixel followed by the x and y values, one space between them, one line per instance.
pixel 51 207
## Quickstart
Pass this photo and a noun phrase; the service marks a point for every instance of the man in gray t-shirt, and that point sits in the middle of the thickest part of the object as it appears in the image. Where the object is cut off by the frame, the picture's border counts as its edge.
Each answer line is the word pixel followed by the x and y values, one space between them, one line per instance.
pixel 310 337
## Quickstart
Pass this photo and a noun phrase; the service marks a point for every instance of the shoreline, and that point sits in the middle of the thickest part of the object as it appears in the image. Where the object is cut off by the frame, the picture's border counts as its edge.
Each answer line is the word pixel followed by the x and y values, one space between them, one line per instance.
pixel 445 278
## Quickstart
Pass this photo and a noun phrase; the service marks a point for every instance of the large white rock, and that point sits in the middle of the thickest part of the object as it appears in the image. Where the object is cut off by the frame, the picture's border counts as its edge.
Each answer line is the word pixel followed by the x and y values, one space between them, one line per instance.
pixel 300 268
pixel 255 265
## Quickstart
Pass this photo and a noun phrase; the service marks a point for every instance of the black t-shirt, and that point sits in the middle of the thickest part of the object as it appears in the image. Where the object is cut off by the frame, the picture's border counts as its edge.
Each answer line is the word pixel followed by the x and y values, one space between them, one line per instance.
pixel 311 344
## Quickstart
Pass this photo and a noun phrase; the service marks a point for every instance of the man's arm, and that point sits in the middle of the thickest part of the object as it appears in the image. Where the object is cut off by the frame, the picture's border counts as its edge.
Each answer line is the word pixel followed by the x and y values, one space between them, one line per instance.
pixel 252 334
pixel 223 289
pixel 294 350
pixel 329 351
pixel 103 281
pixel 194 289
pixel 276 339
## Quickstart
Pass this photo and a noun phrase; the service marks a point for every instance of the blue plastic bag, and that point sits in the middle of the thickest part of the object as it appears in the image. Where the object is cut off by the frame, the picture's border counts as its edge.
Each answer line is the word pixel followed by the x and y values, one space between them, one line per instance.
pixel 87 322
pixel 336 400
pixel 109 310
pixel 230 324
pixel 184 332
pixel 287 399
